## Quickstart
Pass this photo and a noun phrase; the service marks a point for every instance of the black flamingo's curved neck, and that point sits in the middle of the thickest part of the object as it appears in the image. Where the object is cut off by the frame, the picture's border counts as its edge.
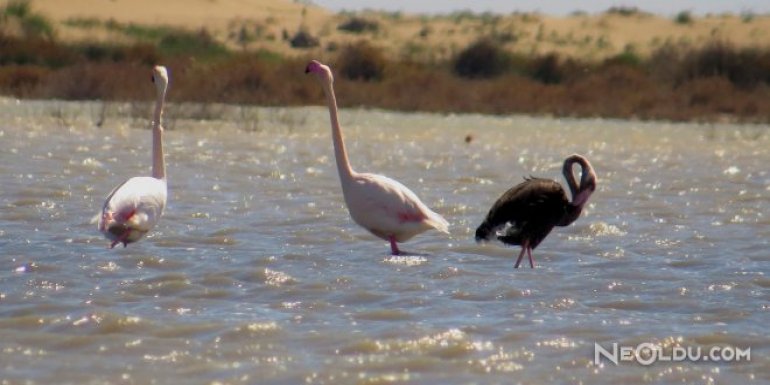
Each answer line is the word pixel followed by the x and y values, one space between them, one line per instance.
pixel 569 175
pixel 580 193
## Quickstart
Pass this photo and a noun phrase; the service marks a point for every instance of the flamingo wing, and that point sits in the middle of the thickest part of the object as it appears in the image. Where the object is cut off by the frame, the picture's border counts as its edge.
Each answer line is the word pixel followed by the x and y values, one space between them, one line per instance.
pixel 527 211
pixel 386 207
pixel 134 206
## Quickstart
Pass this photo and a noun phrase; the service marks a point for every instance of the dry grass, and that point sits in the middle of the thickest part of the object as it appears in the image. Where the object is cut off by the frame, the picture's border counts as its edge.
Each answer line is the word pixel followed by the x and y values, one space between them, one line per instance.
pixel 711 80
pixel 263 24
pixel 610 89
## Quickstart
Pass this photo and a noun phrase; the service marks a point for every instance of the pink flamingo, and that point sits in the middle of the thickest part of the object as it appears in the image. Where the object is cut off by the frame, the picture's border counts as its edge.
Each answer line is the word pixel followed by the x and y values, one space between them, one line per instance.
pixel 385 207
pixel 134 207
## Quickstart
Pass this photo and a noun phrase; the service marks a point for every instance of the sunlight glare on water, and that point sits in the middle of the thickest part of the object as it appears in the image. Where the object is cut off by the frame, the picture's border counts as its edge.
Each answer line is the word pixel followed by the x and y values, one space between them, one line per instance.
pixel 256 273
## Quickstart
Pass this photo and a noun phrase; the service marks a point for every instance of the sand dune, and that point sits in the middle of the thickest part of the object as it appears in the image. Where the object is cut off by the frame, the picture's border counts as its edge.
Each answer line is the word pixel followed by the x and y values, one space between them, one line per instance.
pixel 184 13
pixel 419 37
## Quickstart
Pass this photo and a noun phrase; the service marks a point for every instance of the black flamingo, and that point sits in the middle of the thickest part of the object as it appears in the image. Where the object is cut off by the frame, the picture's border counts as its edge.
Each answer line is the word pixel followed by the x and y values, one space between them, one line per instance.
pixel 526 213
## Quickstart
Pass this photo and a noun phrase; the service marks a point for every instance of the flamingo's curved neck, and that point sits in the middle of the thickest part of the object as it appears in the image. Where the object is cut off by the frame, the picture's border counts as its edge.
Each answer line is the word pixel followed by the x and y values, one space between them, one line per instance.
pixel 570 177
pixel 340 154
pixel 581 193
pixel 158 164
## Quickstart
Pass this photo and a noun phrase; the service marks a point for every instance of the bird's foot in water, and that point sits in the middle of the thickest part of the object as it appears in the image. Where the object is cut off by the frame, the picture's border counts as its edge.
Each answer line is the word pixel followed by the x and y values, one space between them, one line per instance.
pixel 122 239
pixel 394 246
pixel 529 254
pixel 528 250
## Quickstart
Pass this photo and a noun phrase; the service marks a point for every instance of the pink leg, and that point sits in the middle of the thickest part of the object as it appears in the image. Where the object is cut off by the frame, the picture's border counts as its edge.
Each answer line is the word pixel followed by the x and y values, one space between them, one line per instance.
pixel 529 254
pixel 521 255
pixel 122 239
pixel 393 246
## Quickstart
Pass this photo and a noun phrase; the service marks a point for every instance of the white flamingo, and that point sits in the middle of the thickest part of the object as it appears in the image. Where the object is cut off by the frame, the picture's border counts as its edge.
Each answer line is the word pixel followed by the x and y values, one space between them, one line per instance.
pixel 135 206
pixel 377 203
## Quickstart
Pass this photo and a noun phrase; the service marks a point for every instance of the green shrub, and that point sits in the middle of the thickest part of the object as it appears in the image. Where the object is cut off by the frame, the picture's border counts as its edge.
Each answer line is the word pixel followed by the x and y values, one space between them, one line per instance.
pixel 747 16
pixel 37 25
pixel 624 11
pixel 361 61
pixel 303 39
pixel 183 43
pixel 744 68
pixel 83 22
pixel 138 31
pixel 627 58
pixel 665 64
pixel 140 53
pixel 359 25
pixel 546 69
pixel 32 25
pixel 34 51
pixel 18 9
pixel 482 59
pixel 684 17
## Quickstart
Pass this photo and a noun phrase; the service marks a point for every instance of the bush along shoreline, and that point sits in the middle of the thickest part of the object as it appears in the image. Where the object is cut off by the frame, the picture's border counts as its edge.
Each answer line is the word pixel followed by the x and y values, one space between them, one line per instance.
pixel 715 82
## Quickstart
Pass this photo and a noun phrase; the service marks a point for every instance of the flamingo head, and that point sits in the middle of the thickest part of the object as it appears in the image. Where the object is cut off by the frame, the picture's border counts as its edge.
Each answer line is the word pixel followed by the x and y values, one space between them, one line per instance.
pixel 160 78
pixel 321 70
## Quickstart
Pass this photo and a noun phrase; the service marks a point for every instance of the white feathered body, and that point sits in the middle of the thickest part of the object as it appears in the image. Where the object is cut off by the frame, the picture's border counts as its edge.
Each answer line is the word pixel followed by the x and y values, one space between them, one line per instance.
pixel 387 208
pixel 383 206
pixel 134 207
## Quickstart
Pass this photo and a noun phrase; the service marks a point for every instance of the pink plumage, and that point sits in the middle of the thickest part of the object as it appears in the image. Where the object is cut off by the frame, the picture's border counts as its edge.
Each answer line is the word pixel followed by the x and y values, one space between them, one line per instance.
pixel 385 207
pixel 134 207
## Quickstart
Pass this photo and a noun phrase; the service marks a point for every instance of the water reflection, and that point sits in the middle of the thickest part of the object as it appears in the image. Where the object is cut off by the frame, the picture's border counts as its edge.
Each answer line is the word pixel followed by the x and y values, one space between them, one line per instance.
pixel 257 274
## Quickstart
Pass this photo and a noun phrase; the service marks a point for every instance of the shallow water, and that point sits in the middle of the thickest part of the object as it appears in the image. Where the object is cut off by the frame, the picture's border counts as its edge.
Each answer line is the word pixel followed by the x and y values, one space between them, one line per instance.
pixel 256 274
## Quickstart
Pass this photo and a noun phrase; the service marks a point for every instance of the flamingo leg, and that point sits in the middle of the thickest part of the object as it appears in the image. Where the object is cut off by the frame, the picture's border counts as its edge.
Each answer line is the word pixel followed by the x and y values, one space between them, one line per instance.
pixel 122 239
pixel 529 254
pixel 521 255
pixel 394 246
pixel 123 218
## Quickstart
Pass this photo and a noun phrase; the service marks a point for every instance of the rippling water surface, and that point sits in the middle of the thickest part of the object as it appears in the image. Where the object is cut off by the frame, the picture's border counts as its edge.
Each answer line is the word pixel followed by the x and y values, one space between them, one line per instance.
pixel 256 274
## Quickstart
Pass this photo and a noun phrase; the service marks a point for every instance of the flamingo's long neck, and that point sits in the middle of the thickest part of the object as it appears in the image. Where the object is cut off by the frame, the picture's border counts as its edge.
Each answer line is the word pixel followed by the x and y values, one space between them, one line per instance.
pixel 570 177
pixel 158 164
pixel 580 193
pixel 340 154
pixel 573 209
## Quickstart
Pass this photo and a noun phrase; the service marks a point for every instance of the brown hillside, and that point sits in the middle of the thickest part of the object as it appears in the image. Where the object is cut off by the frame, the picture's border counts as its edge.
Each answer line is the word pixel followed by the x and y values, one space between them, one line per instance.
pixel 266 24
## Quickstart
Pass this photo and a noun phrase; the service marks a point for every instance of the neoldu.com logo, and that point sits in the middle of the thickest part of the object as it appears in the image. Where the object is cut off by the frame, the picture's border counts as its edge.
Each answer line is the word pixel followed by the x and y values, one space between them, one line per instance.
pixel 648 353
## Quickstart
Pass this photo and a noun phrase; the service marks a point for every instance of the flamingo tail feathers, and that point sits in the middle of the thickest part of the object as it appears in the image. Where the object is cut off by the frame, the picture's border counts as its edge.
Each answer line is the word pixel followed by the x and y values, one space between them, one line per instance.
pixel 438 222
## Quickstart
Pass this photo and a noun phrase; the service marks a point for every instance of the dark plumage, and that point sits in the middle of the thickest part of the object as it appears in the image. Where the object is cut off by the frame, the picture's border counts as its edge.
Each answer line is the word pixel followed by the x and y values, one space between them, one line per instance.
pixel 525 214
pixel 532 209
